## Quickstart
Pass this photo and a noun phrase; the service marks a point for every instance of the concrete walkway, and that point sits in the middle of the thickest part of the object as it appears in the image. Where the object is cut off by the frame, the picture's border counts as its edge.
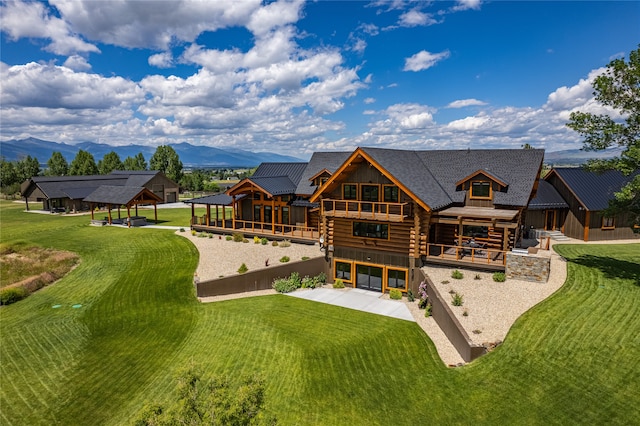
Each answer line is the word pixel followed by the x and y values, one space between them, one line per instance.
pixel 358 299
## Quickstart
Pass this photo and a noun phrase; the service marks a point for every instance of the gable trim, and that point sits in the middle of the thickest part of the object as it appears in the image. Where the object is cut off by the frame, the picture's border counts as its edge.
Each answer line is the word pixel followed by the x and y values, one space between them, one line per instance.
pixel 487 173
pixel 553 172
pixel 244 183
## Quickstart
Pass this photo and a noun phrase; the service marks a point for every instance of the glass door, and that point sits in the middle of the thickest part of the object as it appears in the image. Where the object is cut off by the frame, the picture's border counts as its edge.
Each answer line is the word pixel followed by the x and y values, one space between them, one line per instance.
pixel 369 277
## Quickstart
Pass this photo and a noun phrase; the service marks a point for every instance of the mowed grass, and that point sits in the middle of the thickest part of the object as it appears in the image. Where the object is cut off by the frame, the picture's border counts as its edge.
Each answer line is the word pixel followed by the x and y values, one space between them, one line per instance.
pixel 573 359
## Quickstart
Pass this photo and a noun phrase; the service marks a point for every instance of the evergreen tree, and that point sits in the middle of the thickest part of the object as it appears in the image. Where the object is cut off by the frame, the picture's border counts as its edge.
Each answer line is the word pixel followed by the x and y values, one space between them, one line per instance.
pixel 135 163
pixel 109 163
pixel 166 160
pixel 27 168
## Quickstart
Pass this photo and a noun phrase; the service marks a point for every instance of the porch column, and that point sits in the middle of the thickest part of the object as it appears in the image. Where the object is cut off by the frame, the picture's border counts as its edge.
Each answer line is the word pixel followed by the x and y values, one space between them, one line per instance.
pixel 193 212
pixel 155 211
pixel 208 214
pixel 26 200
pixel 505 239
pixel 273 215
pixel 233 205
pixel 91 207
pixel 137 208
pixel 460 231
pixel 119 211
pixel 128 215
pixel 217 216
pixel 109 213
pixel 587 219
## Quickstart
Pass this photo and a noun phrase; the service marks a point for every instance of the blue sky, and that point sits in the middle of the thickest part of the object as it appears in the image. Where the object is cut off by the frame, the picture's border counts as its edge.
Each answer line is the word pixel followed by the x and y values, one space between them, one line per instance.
pixel 295 77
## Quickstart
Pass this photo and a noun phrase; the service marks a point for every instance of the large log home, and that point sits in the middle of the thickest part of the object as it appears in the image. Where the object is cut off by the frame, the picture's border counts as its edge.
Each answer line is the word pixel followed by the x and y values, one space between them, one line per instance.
pixel 386 212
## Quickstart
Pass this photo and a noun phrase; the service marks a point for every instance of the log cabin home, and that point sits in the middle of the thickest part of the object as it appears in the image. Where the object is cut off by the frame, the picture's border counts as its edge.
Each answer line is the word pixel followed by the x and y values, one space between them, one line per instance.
pixel 587 195
pixel 385 213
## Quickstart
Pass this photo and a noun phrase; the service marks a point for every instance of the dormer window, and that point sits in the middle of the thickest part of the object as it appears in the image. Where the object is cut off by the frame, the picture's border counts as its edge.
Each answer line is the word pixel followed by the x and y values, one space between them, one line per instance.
pixel 481 189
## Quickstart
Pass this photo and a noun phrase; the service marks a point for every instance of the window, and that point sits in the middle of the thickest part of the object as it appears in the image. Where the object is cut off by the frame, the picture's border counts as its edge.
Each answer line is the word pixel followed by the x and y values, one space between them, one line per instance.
pixel 285 215
pixel 285 198
pixel 369 193
pixel 267 214
pixel 256 213
pixel 391 194
pixel 256 195
pixel 480 189
pixel 371 230
pixel 343 271
pixel 397 279
pixel 608 223
pixel 350 191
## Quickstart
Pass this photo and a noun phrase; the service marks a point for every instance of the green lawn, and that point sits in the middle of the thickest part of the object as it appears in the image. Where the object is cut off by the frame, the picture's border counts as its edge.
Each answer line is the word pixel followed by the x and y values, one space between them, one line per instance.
pixel 572 359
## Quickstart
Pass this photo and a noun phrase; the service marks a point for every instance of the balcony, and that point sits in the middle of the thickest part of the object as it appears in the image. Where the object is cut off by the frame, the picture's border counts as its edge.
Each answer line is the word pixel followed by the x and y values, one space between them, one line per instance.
pixel 390 212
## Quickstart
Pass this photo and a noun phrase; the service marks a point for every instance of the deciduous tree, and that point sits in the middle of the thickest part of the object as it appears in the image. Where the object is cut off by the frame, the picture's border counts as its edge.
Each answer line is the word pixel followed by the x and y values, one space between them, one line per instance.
pixel 619 89
pixel 110 162
pixel 135 163
pixel 27 167
pixel 83 164
pixel 166 160
pixel 57 165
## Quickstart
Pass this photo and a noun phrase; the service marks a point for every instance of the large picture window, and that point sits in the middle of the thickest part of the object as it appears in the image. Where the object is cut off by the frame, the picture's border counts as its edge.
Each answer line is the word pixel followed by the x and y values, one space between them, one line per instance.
pixel 350 191
pixel 397 279
pixel 480 189
pixel 371 230
pixel 343 271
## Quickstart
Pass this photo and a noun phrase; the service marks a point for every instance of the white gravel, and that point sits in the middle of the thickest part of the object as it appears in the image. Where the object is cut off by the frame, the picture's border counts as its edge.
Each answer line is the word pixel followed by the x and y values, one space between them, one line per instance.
pixel 491 307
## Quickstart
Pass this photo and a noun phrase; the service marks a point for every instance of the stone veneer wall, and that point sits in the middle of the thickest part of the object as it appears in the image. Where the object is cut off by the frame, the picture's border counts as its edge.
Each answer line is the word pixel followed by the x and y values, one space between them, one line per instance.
pixel 528 268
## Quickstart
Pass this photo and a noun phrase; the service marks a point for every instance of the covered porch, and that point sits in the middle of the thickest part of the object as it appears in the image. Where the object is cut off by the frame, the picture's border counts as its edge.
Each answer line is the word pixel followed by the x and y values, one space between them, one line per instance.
pixel 118 196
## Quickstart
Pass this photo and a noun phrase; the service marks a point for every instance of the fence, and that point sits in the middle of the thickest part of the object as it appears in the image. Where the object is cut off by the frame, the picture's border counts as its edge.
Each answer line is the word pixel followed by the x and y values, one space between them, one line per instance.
pixel 258 280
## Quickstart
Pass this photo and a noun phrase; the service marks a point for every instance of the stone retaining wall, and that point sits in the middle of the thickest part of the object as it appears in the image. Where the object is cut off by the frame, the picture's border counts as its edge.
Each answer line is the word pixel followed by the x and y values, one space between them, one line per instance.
pixel 528 268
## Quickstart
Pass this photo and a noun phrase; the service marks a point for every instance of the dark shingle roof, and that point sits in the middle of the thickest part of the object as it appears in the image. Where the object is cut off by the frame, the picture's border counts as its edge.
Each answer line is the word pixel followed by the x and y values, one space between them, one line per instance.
pixel 219 199
pixel 594 190
pixel 547 198
pixel 79 193
pixel 114 194
pixel 57 186
pixel 432 175
pixel 318 162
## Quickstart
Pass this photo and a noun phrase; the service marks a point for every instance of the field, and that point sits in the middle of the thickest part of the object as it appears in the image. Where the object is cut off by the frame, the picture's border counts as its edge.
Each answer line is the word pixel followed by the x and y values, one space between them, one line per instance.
pixel 128 320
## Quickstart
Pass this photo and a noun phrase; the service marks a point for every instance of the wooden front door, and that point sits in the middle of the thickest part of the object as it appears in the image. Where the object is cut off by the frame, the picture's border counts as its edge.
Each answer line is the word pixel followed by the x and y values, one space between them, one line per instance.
pixel 550 220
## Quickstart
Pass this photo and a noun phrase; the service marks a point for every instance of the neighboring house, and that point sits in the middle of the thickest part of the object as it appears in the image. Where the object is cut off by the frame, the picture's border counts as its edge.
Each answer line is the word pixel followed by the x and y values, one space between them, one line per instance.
pixel 60 193
pixel 381 213
pixel 547 211
pixel 587 195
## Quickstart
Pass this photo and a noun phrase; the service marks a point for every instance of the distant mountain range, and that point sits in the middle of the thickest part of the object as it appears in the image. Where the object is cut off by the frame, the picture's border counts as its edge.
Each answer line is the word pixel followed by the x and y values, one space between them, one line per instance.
pixel 190 155
pixel 203 156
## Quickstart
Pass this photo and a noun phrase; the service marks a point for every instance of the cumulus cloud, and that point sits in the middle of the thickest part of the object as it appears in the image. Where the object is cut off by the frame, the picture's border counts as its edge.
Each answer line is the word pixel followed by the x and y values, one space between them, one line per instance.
pixel 369 101
pixel 161 60
pixel 467 4
pixel 33 20
pixel 462 103
pixel 424 60
pixel 77 63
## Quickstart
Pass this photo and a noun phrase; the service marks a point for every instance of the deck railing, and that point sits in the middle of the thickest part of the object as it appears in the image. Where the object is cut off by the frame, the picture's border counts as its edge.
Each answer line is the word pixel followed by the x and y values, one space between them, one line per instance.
pixel 263 228
pixel 488 256
pixel 366 209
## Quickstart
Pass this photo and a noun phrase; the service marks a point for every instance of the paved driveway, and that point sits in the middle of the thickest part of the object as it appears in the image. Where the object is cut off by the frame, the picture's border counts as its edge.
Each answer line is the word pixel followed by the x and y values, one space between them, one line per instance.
pixel 361 300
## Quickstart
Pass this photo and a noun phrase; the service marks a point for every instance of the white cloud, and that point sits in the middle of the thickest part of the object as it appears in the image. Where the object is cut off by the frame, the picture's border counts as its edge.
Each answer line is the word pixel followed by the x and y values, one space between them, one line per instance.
pixel 274 15
pixel 467 4
pixel 462 103
pixel 368 101
pixel 77 63
pixel 161 60
pixel 416 18
pixel 424 60
pixel 32 20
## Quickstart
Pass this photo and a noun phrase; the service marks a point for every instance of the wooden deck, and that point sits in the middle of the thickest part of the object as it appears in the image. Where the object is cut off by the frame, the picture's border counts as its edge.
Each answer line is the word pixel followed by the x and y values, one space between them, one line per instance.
pixel 484 258
pixel 390 212
pixel 294 233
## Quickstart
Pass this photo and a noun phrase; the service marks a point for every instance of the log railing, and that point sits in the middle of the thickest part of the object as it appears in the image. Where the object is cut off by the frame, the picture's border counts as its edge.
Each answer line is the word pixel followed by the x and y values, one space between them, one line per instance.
pixel 280 229
pixel 474 255
pixel 366 210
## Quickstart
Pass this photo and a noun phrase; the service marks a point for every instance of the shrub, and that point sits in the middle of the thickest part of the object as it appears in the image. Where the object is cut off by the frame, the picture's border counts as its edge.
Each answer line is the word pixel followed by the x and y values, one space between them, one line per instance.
pixel 477 277
pixel 305 257
pixel 456 299
pixel 445 282
pixel 285 243
pixel 307 282
pixel 242 269
pixel 228 238
pixel 295 277
pixel 284 259
pixel 427 310
pixel 422 293
pixel 181 229
pixel 338 283
pixel 12 295
pixel 256 240
pixel 245 240
pixel 322 278
pixel 395 294
pixel 410 296
pixel 274 243
pixel 193 232
pixel 210 235
pixel 465 313
pixel 283 285
pixel 457 275
pixel 499 277
pixel 237 237
pixel 264 241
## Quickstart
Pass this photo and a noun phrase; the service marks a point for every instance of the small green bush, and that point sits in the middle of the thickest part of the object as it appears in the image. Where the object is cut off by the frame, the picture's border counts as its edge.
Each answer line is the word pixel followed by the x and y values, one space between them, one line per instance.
pixel 465 313
pixel 427 310
pixel 322 278
pixel 283 285
pixel 477 277
pixel 237 237
pixel 264 241
pixel 456 299
pixel 193 232
pixel 499 277
pixel 307 282
pixel 284 259
pixel 242 269
pixel 410 296
pixel 274 243
pixel 256 240
pixel 305 257
pixel 228 238
pixel 395 294
pixel 245 240
pixel 338 283
pixel 285 243
pixel 445 282
pixel 181 229
pixel 12 295
pixel 210 235
pixel 457 275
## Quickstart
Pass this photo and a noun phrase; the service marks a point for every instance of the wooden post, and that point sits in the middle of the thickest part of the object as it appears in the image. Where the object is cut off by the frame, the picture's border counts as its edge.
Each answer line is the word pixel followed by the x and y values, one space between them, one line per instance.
pixel 26 201
pixel 208 214
pixel 416 224
pixel 155 211
pixel 273 215
pixel 587 219
pixel 91 207
pixel 109 212
pixel 233 218
pixel 128 215
pixel 459 231
pixel 193 213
